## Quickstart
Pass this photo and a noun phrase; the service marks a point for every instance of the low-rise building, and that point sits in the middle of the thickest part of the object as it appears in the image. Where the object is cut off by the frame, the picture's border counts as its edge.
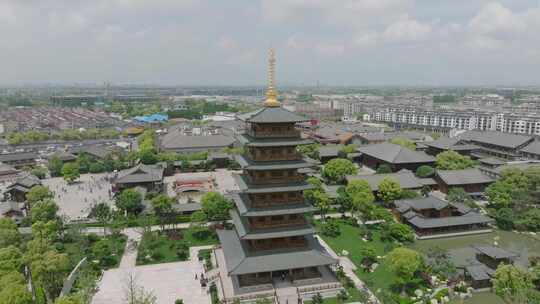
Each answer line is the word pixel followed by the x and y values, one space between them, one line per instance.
pixel 19 160
pixel 18 190
pixel 395 156
pixel 430 216
pixel 149 177
pixel 406 179
pixel 473 180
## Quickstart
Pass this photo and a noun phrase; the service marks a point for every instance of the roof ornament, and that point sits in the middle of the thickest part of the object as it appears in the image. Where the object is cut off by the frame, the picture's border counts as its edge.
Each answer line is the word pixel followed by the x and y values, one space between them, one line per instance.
pixel 271 93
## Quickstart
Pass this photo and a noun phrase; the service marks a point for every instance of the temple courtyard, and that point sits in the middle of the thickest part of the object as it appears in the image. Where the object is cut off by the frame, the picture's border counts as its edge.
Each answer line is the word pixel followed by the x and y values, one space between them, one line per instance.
pixel 168 282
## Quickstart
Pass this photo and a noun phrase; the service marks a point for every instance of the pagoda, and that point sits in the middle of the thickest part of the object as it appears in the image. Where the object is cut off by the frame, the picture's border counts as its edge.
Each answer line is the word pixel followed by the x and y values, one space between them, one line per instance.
pixel 272 242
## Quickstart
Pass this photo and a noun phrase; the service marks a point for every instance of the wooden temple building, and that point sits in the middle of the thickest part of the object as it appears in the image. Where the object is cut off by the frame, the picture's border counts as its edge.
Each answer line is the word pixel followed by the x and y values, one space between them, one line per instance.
pixel 272 243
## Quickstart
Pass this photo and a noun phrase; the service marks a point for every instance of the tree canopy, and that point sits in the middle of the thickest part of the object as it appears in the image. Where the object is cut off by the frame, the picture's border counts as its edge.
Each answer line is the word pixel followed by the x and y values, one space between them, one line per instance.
pixel 336 170
pixel 389 190
pixel 404 143
pixel 38 193
pixel 70 172
pixel 216 206
pixel 512 283
pixel 9 233
pixel 404 263
pixel 425 171
pixel 451 160
pixel 129 201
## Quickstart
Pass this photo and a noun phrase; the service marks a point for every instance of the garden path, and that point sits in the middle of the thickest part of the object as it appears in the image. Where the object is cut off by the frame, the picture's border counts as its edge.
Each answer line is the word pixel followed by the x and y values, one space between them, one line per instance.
pixel 349 268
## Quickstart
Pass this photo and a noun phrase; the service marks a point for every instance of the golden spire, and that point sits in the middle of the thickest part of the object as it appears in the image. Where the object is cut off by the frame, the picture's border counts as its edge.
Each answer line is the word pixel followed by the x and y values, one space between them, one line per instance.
pixel 271 94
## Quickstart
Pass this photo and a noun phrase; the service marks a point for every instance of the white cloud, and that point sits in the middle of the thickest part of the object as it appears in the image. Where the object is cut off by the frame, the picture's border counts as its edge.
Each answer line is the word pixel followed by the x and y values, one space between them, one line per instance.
pixel 497 21
pixel 406 30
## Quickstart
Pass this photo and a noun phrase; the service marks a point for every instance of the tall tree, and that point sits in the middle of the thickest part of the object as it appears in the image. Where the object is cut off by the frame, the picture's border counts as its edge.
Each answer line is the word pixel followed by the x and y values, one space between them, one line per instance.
pixel 451 160
pixel 336 170
pixel 389 190
pixel 44 210
pixel 38 193
pixel 512 283
pixel 361 197
pixel 55 166
pixel 11 259
pixel 162 205
pixel 129 201
pixel 9 233
pixel 102 212
pixel 215 206
pixel 70 172
pixel 404 263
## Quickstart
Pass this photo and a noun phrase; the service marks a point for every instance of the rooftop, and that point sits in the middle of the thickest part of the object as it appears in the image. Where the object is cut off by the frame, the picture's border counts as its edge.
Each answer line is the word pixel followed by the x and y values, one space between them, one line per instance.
pixel 424 203
pixel 468 219
pixel 532 148
pixel 463 177
pixel 395 154
pixel 18 156
pixel 176 140
pixel 506 140
pixel 243 204
pixel 246 163
pixel 272 115
pixel 240 261
pixel 246 187
pixel 140 174
pixel 406 179
pixel 495 252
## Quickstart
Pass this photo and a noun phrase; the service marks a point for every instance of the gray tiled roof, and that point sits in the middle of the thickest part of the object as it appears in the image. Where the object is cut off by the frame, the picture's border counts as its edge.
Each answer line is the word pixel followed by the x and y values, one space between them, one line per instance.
pixel 246 163
pixel 532 148
pixel 468 219
pixel 243 204
pixel 407 180
pixel 27 181
pixel 238 261
pixel 395 154
pixel 329 151
pixel 140 174
pixel 479 272
pixel 424 203
pixel 495 252
pixel 242 227
pixel 501 139
pixel 463 177
pixel 18 156
pixel 272 115
pixel 174 140
pixel 492 161
pixel 5 169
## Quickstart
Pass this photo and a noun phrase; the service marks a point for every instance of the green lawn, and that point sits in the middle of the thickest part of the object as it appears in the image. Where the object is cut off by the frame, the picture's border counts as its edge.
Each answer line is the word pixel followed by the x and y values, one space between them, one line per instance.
pixel 350 240
pixel 172 245
pixel 381 280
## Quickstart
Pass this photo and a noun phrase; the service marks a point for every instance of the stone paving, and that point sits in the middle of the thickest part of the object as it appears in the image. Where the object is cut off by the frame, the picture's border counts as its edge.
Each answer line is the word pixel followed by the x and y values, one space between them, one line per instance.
pixel 168 282
pixel 76 200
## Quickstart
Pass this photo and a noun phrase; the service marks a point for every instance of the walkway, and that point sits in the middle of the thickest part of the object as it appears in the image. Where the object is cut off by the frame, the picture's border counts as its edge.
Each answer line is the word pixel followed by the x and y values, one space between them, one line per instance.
pixel 129 259
pixel 349 269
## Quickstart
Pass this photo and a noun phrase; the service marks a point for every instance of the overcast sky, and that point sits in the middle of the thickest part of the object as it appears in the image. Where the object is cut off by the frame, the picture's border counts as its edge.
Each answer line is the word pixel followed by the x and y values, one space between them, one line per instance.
pixel 225 42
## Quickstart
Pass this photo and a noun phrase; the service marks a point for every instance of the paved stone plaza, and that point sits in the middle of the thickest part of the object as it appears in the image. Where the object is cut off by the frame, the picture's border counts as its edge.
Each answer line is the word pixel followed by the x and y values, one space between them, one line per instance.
pixel 76 200
pixel 168 282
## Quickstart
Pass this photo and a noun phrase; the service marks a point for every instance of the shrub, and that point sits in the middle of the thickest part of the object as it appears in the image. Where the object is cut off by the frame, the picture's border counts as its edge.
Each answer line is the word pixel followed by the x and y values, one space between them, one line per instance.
pixel 331 229
pixel 383 169
pixel 182 255
pixel 425 171
pixel 179 301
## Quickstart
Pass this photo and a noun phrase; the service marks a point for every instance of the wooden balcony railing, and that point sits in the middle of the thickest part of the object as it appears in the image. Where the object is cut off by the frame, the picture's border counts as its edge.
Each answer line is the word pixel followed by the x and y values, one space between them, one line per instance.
pixel 276 202
pixel 276 180
pixel 258 156
pixel 278 245
pixel 273 134
pixel 277 224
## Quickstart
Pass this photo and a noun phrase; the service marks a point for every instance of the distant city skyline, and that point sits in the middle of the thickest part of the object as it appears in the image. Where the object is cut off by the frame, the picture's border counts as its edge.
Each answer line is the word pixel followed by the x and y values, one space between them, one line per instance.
pixel 225 43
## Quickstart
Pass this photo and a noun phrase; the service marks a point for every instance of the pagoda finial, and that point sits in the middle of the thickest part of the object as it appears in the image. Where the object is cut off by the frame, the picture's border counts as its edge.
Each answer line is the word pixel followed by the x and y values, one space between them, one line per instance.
pixel 271 94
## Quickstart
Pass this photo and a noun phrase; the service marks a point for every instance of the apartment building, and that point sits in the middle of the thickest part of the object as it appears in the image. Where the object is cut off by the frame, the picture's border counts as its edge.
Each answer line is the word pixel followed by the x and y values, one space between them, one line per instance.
pixel 461 120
